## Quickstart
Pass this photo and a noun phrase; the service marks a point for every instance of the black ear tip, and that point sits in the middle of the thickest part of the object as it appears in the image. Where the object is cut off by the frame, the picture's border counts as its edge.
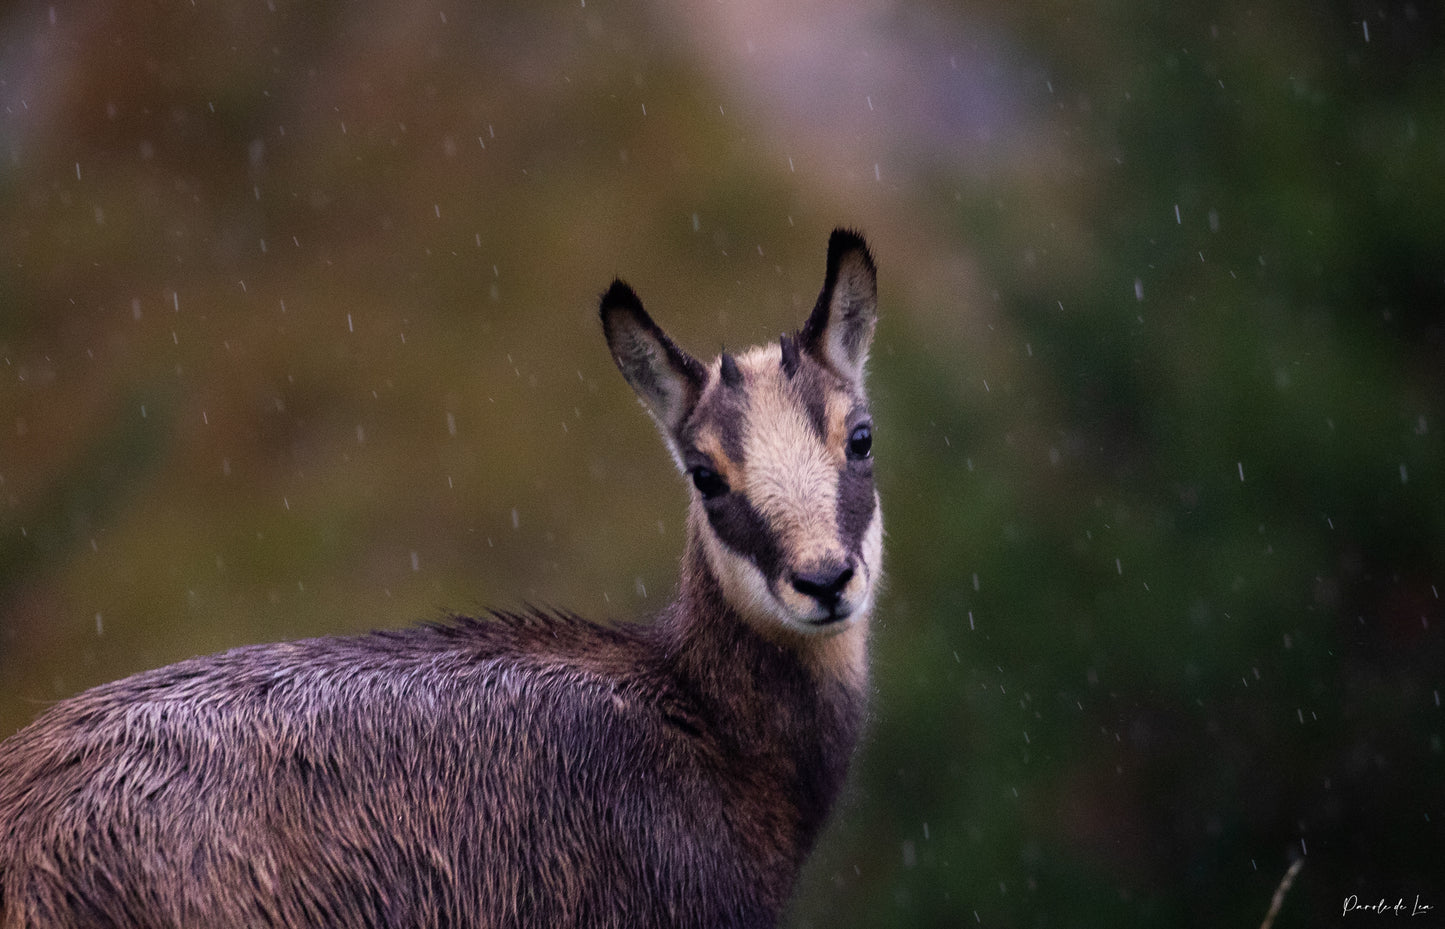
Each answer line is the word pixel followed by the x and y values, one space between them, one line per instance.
pixel 844 242
pixel 618 297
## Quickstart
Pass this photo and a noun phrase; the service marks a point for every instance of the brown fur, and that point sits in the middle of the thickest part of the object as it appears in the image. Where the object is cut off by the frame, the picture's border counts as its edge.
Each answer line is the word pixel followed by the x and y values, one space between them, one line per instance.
pixel 527 769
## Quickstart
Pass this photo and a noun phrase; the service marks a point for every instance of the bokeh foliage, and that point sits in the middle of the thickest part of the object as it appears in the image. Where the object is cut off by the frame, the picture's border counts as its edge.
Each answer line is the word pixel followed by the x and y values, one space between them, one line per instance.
pixel 297 334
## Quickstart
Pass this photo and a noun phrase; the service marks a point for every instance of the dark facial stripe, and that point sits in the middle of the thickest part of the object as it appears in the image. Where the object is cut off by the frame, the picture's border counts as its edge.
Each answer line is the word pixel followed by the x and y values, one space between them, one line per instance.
pixel 722 411
pixel 856 502
pixel 810 385
pixel 743 529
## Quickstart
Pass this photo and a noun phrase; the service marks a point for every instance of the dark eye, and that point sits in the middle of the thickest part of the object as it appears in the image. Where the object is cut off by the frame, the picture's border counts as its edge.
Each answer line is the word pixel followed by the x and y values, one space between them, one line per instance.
pixel 860 442
pixel 708 482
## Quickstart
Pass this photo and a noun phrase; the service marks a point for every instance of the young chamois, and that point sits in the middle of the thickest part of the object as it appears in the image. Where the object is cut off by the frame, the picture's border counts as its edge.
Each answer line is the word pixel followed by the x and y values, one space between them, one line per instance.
pixel 528 769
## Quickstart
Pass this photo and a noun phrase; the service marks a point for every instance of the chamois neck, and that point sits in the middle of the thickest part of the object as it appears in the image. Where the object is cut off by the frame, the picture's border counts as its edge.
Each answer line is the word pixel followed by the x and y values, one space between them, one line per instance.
pixel 788 718
pixel 726 657
pixel 701 617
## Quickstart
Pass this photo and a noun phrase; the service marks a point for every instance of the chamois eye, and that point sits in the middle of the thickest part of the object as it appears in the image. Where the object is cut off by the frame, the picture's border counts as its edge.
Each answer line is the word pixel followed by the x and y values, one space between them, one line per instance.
pixel 708 482
pixel 860 442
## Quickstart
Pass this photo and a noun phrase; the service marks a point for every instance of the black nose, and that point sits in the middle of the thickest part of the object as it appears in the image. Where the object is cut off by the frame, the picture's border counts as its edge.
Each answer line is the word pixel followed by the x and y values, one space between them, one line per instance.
pixel 824 584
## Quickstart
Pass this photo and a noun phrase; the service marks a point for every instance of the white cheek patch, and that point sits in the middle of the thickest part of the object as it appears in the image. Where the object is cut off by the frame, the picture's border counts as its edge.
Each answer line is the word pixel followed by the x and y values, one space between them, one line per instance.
pixel 743 585
pixel 871 569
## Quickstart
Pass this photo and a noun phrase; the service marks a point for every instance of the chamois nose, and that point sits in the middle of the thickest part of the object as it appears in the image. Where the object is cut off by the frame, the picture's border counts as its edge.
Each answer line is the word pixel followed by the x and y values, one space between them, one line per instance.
pixel 825 584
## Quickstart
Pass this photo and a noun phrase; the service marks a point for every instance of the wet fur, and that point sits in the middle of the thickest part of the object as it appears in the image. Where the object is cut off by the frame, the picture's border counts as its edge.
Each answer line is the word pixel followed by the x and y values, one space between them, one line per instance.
pixel 529 769
pixel 524 769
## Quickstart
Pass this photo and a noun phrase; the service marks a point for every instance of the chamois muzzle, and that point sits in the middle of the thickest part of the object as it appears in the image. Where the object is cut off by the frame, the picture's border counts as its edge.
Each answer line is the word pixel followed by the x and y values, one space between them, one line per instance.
pixel 826 585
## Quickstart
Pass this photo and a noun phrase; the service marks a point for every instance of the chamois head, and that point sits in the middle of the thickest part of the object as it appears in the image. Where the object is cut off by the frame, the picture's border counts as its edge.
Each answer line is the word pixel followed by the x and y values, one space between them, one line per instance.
pixel 777 441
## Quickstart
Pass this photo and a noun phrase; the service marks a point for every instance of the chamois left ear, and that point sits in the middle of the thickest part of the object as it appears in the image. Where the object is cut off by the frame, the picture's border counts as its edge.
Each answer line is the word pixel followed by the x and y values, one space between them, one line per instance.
pixel 666 378
pixel 840 329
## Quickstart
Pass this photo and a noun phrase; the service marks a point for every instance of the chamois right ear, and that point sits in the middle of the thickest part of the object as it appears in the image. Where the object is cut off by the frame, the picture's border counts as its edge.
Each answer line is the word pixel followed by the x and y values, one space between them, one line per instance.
pixel 668 379
pixel 840 329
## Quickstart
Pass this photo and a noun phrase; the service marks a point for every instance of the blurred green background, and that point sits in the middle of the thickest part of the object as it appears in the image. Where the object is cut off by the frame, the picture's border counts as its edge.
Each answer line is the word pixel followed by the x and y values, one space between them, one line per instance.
pixel 297 337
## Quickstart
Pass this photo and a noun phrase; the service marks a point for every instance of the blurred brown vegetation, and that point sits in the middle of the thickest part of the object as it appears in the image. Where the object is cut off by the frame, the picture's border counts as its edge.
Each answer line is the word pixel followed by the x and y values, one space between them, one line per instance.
pixel 297 333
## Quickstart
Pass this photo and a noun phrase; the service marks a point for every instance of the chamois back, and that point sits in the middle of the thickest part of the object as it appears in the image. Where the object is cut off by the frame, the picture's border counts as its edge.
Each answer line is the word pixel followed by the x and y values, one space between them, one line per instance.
pixel 521 769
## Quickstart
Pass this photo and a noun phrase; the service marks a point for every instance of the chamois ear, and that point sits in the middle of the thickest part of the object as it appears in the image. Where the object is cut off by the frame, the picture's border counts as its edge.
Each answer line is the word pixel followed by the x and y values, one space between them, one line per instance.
pixel 840 329
pixel 668 379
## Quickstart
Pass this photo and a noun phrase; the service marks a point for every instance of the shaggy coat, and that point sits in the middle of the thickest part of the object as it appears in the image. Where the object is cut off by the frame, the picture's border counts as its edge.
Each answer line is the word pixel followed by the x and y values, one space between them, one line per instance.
pixel 523 769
